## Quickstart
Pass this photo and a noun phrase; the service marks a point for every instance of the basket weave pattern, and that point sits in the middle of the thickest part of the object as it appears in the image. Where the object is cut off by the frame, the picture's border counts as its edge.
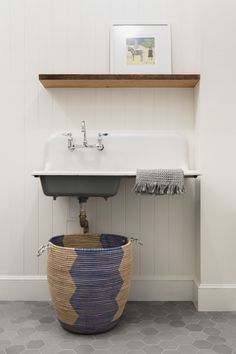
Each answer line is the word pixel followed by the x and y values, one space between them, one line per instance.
pixel 89 278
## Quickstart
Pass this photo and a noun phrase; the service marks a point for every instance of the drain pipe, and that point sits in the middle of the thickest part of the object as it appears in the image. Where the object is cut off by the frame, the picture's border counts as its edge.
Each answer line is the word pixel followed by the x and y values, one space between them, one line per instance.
pixel 82 216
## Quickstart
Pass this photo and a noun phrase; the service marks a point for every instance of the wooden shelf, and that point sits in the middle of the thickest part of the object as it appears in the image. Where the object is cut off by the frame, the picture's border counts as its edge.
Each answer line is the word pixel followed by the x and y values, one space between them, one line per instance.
pixel 118 81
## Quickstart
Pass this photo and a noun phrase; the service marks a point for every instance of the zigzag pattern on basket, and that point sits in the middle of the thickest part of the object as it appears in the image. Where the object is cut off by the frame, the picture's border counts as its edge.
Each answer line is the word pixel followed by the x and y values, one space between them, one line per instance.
pixel 97 279
pixel 125 272
pixel 60 283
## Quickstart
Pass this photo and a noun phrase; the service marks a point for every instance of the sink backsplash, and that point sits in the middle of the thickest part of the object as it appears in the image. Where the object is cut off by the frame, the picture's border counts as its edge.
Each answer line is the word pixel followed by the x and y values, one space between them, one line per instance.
pixel 123 151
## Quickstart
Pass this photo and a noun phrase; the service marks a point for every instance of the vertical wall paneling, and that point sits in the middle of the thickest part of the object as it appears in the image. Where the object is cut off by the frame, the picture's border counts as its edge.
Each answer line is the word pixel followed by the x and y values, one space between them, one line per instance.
pixel 91 210
pixel 101 109
pixel 161 243
pixel 32 139
pixel 45 36
pixel 147 234
pixel 60 110
pixel 65 37
pixel 45 225
pixel 45 203
pixel 75 109
pixel 176 243
pixel 160 103
pixel 59 21
pixel 132 221
pixel 59 216
pixel 118 109
pixel 104 214
pixel 189 217
pixel 14 148
pixel 73 227
pixel 118 211
pixel 146 109
pixel 132 103
pixel 5 106
pixel 101 36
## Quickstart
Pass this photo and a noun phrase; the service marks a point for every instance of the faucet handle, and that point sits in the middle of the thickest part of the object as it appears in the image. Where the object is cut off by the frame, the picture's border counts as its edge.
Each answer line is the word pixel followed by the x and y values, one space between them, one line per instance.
pixel 70 144
pixel 102 134
pixel 69 134
pixel 100 145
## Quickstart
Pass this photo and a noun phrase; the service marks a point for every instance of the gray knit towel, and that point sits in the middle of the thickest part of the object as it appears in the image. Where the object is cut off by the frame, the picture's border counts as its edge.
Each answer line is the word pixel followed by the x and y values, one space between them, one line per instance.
pixel 159 182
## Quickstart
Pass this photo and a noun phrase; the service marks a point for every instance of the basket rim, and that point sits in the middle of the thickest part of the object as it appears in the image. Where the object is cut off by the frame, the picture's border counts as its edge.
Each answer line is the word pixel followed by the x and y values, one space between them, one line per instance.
pixel 92 249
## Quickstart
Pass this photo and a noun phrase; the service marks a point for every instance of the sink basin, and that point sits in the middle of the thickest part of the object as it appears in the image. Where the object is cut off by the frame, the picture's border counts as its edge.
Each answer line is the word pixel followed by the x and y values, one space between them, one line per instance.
pixel 87 172
pixel 80 186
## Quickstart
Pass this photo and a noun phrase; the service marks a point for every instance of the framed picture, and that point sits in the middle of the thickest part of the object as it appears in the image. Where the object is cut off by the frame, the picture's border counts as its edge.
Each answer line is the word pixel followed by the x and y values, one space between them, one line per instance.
pixel 140 49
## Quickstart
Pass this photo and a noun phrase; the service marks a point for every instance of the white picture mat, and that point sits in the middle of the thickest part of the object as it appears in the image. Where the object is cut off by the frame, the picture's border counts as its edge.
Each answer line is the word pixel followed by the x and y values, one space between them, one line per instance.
pixel 119 34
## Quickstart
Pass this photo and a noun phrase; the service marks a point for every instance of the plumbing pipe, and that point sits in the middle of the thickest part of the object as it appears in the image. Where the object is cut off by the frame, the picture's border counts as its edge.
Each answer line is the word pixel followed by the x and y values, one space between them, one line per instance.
pixel 82 216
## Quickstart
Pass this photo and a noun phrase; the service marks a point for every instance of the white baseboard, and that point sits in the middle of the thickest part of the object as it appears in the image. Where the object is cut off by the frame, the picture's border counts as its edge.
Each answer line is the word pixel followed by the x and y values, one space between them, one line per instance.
pixel 215 297
pixel 160 289
pixel 24 288
pixel 34 288
pixel 206 297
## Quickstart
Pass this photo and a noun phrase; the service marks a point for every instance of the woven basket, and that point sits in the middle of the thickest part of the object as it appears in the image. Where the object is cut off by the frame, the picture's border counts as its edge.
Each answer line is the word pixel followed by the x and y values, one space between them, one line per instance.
pixel 89 280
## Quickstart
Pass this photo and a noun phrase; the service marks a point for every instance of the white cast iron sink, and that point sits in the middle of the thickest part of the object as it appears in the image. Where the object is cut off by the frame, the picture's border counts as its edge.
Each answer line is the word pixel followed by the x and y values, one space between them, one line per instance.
pixel 87 172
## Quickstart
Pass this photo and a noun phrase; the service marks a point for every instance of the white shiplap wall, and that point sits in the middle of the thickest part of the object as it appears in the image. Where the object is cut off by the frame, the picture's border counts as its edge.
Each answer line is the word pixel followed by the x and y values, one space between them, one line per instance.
pixel 41 36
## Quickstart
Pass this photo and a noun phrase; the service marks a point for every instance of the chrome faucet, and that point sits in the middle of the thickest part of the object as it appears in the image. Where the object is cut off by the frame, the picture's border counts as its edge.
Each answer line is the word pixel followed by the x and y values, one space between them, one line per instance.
pixel 83 130
pixel 72 146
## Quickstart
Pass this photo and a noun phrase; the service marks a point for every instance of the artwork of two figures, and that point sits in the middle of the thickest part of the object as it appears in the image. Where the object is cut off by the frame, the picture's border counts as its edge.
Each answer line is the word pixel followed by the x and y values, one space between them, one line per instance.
pixel 140 51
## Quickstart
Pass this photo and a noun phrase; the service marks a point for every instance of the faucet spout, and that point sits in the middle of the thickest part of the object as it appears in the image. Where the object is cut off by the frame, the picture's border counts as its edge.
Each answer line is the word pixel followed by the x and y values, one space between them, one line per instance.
pixel 83 130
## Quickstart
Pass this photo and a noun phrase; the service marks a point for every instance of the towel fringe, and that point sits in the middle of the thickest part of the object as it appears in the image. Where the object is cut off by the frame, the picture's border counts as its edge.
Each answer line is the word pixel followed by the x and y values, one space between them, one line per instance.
pixel 158 189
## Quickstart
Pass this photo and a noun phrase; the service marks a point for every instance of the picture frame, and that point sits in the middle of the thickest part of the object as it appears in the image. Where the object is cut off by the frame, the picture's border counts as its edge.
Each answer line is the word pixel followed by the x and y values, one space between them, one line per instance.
pixel 140 48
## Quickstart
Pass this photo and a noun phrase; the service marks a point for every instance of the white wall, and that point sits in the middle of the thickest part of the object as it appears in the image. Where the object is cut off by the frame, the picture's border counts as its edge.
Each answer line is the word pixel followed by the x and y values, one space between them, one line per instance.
pixel 216 135
pixel 61 36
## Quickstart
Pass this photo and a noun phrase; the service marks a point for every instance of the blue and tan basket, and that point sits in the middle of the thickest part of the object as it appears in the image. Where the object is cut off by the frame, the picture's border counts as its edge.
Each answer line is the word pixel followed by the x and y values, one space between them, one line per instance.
pixel 89 279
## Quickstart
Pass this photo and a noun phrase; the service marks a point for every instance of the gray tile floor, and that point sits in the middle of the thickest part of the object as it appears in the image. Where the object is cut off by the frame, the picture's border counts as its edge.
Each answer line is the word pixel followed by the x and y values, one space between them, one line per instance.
pixel 146 327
